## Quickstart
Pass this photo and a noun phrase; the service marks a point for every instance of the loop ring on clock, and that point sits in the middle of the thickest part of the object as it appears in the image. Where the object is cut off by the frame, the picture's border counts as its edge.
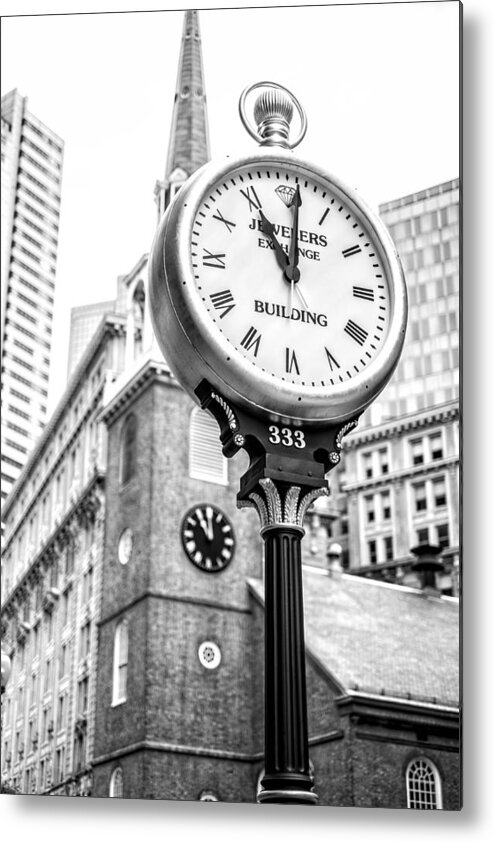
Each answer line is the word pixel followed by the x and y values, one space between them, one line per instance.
pixel 255 133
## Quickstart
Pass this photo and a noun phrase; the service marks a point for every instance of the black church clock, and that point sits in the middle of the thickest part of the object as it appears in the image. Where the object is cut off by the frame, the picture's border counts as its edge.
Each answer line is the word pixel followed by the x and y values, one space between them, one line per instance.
pixel 274 282
pixel 208 538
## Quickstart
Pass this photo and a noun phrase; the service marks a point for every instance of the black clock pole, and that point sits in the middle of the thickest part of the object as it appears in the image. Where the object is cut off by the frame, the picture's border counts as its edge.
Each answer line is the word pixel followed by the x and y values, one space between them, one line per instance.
pixel 287 777
pixel 282 481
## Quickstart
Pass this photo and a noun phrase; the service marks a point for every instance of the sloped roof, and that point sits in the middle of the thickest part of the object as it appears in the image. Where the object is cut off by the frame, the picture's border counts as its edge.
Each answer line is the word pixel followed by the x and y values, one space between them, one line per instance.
pixel 382 639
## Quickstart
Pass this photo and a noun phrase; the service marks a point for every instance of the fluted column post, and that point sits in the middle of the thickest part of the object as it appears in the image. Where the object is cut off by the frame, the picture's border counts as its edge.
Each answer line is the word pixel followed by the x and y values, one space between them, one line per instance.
pixel 287 778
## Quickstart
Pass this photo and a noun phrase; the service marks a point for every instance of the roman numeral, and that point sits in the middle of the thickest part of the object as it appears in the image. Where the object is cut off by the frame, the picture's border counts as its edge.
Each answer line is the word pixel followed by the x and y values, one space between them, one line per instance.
pixel 253 202
pixel 219 216
pixel 363 292
pixel 352 250
pixel 291 361
pixel 356 332
pixel 223 301
pixel 215 261
pixel 331 360
pixel 251 340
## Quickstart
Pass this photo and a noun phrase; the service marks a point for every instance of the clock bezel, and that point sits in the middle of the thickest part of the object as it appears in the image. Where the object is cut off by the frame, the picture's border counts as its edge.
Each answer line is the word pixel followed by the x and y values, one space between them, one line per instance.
pixel 196 350
pixel 227 520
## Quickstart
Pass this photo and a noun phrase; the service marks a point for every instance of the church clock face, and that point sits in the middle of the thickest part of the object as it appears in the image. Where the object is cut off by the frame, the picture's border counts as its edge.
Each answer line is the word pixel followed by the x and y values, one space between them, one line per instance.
pixel 274 282
pixel 207 538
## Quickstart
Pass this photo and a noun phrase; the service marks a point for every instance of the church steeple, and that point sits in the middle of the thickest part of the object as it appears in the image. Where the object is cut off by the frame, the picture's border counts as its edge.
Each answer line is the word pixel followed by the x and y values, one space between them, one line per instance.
pixel 188 147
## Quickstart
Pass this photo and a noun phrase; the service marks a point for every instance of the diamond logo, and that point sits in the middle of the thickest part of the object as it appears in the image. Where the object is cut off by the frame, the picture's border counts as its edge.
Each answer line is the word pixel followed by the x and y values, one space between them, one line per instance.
pixel 286 194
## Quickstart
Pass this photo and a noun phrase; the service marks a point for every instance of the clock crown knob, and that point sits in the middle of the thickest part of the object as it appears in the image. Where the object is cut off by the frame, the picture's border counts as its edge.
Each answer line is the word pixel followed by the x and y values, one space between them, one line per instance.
pixel 273 112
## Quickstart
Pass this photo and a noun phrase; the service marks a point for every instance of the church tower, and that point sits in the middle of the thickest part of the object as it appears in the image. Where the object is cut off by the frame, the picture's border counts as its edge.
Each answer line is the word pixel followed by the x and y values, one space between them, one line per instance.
pixel 188 147
pixel 175 714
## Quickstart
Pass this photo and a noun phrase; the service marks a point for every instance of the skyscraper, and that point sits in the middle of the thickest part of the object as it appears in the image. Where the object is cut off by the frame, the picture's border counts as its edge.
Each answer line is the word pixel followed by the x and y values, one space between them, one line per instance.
pixel 425 229
pixel 32 160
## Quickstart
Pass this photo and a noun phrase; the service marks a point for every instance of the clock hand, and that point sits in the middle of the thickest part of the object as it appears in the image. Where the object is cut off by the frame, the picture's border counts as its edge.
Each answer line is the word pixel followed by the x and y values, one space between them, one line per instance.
pixel 292 272
pixel 209 516
pixel 296 202
pixel 268 228
pixel 203 524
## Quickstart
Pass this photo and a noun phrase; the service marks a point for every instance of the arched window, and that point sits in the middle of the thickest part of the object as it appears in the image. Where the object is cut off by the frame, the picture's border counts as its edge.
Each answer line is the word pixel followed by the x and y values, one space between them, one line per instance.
pixel 206 460
pixel 120 662
pixel 423 785
pixel 128 447
pixel 116 783
pixel 208 795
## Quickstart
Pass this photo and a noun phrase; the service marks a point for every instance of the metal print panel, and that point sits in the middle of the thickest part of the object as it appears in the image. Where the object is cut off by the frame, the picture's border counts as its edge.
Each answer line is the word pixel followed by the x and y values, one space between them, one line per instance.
pixel 136 601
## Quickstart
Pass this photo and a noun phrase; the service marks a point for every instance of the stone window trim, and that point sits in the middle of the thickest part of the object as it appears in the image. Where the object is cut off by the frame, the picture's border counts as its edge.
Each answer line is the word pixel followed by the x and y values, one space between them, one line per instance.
pixel 423 785
pixel 128 449
pixel 116 783
pixel 120 662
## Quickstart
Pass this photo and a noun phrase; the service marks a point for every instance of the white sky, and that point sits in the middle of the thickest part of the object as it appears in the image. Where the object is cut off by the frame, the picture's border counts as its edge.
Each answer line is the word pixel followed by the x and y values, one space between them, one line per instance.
pixel 379 82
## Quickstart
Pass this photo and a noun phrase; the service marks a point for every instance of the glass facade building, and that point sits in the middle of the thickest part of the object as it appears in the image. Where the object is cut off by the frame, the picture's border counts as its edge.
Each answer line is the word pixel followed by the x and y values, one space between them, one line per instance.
pixel 32 161
pixel 425 229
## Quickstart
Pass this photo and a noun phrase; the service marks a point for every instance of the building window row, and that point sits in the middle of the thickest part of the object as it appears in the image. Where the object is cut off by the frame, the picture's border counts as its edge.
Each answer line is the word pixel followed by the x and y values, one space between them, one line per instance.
pixel 380 550
pixel 48 140
pixel 26 206
pixel 30 224
pixel 39 200
pixel 375 463
pixel 430 495
pixel 438 535
pixel 46 172
pixel 378 507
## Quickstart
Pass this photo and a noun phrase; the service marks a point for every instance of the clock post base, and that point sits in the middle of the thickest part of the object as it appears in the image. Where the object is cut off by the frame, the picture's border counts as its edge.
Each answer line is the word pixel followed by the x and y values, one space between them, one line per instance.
pixel 287 472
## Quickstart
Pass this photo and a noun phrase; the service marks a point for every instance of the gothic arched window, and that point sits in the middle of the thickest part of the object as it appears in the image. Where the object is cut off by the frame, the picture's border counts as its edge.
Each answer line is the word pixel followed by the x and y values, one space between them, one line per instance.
pixel 128 448
pixel 120 662
pixel 116 783
pixel 206 460
pixel 423 785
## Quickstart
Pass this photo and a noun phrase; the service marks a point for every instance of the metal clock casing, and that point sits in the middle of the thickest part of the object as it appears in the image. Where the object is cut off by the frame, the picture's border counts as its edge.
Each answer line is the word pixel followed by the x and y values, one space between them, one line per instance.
pixel 196 348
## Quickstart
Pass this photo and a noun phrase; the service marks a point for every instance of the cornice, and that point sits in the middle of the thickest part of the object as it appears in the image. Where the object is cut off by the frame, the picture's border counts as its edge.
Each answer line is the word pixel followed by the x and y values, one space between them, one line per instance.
pixel 413 472
pixel 149 370
pixel 397 426
pixel 360 704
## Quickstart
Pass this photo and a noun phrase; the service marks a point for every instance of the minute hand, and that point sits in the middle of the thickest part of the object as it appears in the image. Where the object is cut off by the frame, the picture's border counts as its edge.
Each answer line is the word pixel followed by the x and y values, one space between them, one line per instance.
pixel 296 202
pixel 268 229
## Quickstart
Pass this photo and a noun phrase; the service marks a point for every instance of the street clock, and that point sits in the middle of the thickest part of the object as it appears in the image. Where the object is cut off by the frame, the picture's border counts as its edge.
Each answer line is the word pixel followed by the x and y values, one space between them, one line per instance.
pixel 274 282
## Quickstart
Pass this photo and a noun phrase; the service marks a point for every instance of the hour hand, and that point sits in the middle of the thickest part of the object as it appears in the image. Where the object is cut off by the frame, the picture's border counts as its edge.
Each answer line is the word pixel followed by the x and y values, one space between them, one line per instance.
pixel 267 228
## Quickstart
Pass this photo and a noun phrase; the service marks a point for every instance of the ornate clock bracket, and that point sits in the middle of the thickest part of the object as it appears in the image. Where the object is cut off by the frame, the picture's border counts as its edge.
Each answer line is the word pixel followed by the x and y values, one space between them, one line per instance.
pixel 288 455
pixel 287 472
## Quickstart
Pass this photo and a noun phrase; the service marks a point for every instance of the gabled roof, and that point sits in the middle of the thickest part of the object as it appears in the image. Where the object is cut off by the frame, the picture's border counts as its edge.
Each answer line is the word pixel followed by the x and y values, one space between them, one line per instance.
pixel 381 639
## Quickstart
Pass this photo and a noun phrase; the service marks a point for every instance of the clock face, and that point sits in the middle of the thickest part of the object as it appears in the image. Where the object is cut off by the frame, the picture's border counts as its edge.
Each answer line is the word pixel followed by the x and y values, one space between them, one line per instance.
pixel 207 538
pixel 275 283
pixel 291 276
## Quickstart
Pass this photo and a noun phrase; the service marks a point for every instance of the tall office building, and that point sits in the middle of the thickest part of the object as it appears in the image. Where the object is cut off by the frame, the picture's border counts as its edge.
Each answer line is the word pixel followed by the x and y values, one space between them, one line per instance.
pixel 32 160
pixel 84 321
pixel 425 229
pixel 398 483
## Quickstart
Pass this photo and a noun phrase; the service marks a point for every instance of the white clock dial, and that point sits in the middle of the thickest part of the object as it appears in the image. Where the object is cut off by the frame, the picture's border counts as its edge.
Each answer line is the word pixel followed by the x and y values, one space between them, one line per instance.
pixel 291 275
pixel 274 283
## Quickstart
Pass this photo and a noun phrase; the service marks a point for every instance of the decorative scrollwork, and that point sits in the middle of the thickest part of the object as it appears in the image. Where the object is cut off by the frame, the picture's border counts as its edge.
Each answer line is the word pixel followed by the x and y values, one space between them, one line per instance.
pixel 280 507
pixel 344 430
pixel 232 421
